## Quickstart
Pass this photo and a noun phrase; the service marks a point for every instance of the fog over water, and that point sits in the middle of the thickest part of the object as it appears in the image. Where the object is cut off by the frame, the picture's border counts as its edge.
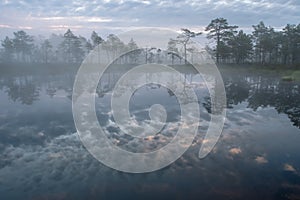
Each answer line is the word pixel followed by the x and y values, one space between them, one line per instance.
pixel 43 158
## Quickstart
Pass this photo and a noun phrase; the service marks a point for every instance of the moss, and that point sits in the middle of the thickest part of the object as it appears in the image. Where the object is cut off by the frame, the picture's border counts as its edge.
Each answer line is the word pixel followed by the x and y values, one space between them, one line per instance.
pixel 287 78
pixel 291 75
pixel 296 75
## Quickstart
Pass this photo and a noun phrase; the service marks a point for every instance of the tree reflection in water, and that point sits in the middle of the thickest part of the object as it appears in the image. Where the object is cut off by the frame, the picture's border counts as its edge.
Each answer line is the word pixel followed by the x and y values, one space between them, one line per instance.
pixel 264 91
pixel 258 91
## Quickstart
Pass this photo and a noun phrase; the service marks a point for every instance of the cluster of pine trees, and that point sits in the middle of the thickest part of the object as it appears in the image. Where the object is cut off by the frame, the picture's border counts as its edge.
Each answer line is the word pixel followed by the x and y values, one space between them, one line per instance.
pixel 264 45
pixel 66 48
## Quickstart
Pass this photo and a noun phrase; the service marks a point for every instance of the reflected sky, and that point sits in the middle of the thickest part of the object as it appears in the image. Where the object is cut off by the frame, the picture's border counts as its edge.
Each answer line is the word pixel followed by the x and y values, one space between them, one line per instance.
pixel 257 156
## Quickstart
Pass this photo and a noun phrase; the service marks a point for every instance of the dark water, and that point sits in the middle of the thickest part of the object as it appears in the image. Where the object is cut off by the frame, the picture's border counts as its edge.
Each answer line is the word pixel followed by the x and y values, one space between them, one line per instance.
pixel 257 156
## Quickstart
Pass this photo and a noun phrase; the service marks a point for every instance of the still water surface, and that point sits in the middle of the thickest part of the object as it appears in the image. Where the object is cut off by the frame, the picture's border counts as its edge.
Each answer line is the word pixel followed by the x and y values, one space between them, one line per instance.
pixel 257 156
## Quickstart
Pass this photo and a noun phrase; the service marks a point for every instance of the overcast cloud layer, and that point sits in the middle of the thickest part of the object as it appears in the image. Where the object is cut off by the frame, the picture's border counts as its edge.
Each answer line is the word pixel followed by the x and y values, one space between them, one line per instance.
pixel 114 16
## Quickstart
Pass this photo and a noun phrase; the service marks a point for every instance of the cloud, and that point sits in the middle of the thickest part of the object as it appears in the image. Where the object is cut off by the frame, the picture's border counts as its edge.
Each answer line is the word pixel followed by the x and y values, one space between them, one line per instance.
pixel 235 151
pixel 261 160
pixel 126 13
pixel 25 27
pixel 289 168
pixel 5 26
pixel 65 27
pixel 76 18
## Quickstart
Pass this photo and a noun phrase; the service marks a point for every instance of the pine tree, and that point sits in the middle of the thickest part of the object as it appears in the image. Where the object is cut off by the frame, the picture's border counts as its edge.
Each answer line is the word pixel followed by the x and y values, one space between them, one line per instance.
pixel 8 46
pixel 219 30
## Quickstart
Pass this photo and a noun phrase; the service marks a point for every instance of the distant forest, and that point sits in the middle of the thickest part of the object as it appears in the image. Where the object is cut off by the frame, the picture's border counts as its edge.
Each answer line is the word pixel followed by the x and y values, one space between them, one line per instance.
pixel 231 45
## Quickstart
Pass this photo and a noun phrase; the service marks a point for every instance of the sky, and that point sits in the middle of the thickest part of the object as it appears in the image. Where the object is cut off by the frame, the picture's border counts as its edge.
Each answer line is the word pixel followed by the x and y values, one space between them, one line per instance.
pixel 114 16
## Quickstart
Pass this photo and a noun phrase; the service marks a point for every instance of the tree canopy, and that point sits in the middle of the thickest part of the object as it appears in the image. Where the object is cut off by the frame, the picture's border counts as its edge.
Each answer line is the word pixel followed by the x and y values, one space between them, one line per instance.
pixel 265 45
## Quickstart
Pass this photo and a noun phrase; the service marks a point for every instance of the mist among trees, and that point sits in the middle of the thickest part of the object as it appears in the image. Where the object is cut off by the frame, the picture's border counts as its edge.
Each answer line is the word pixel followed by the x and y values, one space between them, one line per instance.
pixel 264 46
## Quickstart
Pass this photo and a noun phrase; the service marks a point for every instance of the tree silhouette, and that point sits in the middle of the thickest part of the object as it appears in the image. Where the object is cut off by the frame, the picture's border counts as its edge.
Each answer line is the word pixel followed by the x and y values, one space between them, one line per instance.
pixel 173 50
pixel 264 42
pixel 8 49
pixel 96 39
pixel 72 48
pixel 241 46
pixel 184 39
pixel 133 54
pixel 46 50
pixel 264 46
pixel 219 30
pixel 291 34
pixel 23 44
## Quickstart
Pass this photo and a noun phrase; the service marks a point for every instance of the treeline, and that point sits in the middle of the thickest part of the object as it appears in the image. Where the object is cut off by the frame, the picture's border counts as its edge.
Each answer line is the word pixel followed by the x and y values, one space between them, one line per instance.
pixel 264 46
pixel 66 48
